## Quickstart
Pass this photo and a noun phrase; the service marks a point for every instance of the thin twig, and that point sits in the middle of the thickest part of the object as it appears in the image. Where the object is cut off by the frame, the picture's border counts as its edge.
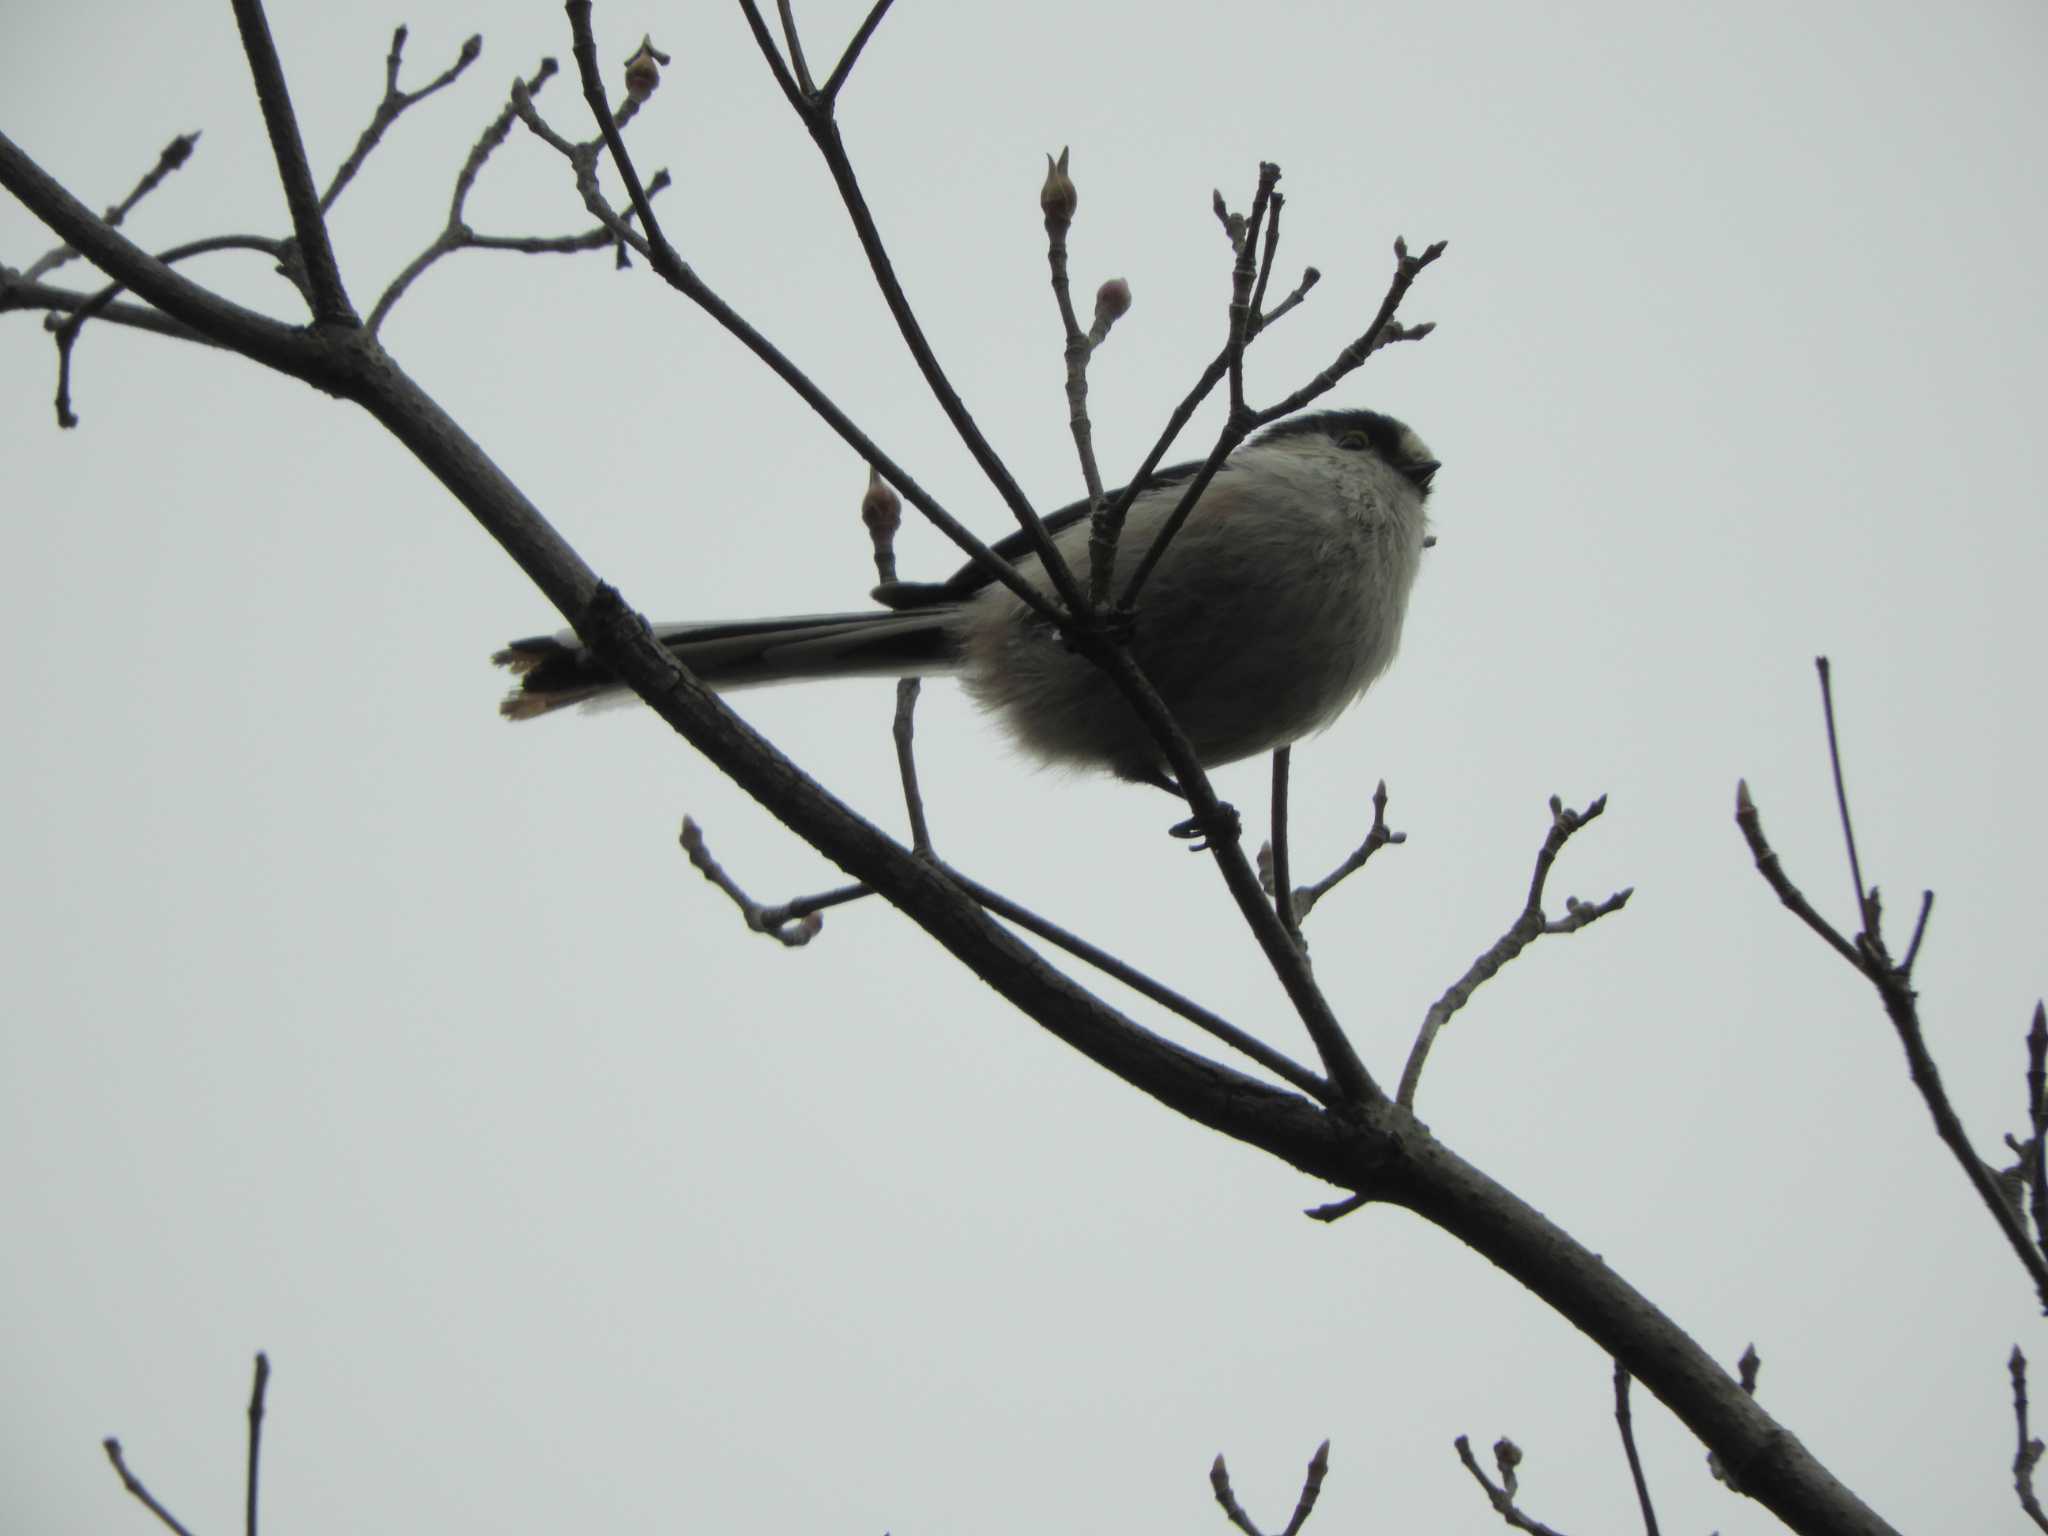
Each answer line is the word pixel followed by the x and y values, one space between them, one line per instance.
pixel 1501 1495
pixel 1339 1056
pixel 851 57
pixel 1626 1421
pixel 1304 1506
pixel 796 49
pixel 174 154
pixel 66 331
pixel 1280 1066
pixel 1406 269
pixel 677 273
pixel 905 731
pixel 2037 1114
pixel 1109 521
pixel 456 235
pixel 1244 274
pixel 2027 1456
pixel 1772 869
pixel 392 105
pixel 1827 709
pixel 1272 245
pixel 1528 926
pixel 134 1485
pixel 256 1396
pixel 816 113
pixel 1902 1007
pixel 1377 837
pixel 1057 201
pixel 793 923
pixel 1283 876
pixel 18 294
pixel 1919 933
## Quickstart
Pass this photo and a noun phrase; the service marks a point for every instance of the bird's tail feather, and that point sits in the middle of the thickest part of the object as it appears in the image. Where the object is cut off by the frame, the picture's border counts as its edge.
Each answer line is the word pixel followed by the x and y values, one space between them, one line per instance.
pixel 555 671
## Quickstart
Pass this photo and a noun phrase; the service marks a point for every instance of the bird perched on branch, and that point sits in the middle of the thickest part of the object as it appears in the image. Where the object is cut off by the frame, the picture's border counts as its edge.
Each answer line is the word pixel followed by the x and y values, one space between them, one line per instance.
pixel 1272 609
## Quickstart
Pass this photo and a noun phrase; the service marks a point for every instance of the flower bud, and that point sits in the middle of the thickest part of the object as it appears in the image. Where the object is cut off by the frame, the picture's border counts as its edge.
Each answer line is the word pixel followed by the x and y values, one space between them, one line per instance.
pixel 881 508
pixel 1057 198
pixel 1112 302
pixel 643 70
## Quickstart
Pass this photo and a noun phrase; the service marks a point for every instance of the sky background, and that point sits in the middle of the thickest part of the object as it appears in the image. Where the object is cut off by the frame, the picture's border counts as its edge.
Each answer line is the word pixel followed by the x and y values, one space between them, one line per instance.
pixel 345 1021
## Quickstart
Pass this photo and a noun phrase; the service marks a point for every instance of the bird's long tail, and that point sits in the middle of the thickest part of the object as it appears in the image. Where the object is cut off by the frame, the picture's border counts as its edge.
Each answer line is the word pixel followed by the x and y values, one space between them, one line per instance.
pixel 555 671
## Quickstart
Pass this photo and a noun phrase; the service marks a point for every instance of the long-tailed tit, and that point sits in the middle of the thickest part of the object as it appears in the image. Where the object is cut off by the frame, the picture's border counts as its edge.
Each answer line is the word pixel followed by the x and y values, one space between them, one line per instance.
pixel 1274 607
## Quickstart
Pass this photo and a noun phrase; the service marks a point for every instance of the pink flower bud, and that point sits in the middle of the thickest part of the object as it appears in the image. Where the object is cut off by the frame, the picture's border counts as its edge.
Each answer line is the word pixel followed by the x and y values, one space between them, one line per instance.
pixel 1112 302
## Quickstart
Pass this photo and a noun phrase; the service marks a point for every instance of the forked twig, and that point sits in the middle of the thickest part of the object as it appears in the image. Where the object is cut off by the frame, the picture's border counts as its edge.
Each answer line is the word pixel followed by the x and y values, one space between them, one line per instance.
pixel 1304 1506
pixel 148 1500
pixel 792 923
pixel 1529 926
pixel 393 105
pixel 1506 1457
pixel 1377 837
pixel 1869 954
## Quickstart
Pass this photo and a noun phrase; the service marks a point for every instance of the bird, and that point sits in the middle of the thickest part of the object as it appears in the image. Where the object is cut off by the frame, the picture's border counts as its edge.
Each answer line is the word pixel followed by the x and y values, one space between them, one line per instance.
pixel 1273 609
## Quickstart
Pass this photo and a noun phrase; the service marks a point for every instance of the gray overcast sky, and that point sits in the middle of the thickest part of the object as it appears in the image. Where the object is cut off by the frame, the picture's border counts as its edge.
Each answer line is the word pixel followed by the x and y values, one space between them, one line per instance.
pixel 344 1021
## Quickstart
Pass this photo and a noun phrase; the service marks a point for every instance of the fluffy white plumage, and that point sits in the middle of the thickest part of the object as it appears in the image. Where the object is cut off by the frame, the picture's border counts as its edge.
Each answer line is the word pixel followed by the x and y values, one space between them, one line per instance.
pixel 1275 606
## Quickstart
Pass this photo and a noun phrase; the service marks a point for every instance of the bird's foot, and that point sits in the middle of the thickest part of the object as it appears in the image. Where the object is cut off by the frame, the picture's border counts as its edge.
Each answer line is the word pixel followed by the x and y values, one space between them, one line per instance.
pixel 1202 834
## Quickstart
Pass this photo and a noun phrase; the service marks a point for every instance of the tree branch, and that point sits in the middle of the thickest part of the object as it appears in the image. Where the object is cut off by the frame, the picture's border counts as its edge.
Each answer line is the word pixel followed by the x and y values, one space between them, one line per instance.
pixel 309 223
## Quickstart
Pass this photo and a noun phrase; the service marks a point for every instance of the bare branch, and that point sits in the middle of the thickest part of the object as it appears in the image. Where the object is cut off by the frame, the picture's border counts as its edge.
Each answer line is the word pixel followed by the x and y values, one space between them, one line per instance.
pixel 793 923
pixel 851 57
pixel 174 154
pixel 1378 837
pixel 309 224
pixel 815 111
pixel 1773 871
pixel 1506 1455
pixel 796 50
pixel 2027 1456
pixel 1304 1506
pixel 1625 1421
pixel 2037 1116
pixel 904 731
pixel 1406 269
pixel 67 330
pixel 1237 1039
pixel 256 1396
pixel 393 104
pixel 1865 897
pixel 1057 200
pixel 1528 927
pixel 456 235
pixel 1275 870
pixel 15 294
pixel 1868 954
pixel 1243 275
pixel 134 1485
pixel 677 273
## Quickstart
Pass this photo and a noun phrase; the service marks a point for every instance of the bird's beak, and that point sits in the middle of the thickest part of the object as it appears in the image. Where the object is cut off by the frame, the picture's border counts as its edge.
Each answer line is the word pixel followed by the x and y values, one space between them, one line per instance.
pixel 1424 472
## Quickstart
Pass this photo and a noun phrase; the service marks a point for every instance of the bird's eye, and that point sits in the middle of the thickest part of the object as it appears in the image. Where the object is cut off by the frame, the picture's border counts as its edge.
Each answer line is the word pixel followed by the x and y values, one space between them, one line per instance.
pixel 1357 442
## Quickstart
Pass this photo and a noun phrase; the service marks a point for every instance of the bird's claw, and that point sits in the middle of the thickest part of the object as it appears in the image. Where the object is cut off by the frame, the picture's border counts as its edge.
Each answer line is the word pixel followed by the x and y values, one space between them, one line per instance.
pixel 1225 827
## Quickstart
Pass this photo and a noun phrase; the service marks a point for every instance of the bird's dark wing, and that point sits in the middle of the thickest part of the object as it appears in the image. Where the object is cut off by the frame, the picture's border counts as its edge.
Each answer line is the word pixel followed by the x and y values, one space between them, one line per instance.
pixel 971 578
